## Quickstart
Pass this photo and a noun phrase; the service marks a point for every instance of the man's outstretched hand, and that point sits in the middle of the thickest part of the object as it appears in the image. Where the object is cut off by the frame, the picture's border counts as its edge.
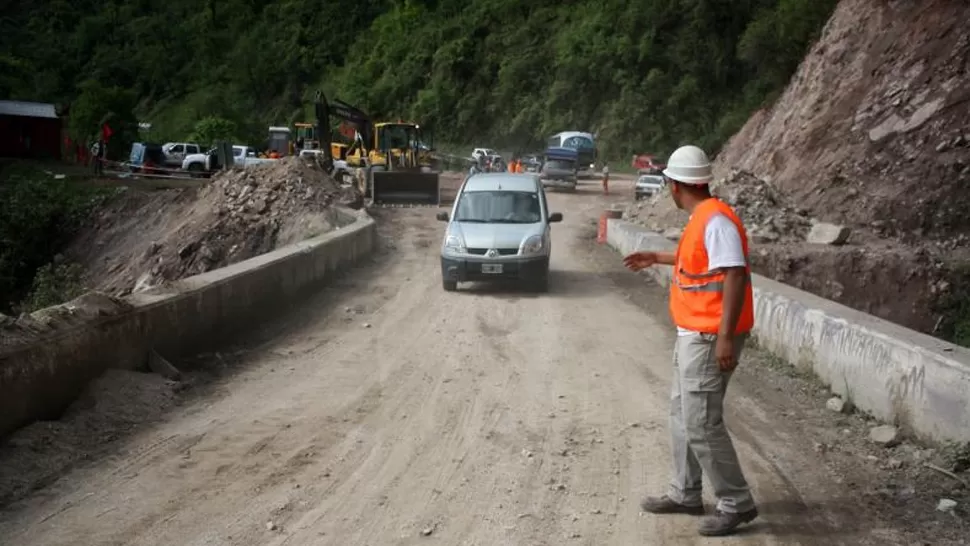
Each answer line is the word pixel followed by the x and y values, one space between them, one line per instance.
pixel 640 260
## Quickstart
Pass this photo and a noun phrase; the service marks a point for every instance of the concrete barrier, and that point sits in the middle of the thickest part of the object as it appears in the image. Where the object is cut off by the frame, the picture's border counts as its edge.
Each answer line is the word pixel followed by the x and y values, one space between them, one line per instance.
pixel 913 380
pixel 39 379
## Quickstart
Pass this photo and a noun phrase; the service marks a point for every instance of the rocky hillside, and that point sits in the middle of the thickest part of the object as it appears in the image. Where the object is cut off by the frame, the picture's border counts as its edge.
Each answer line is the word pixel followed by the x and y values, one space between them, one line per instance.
pixel 874 128
pixel 872 133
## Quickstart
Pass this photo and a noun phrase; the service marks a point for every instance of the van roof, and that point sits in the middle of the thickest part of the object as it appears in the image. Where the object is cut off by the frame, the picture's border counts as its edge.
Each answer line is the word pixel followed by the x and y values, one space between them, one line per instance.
pixel 502 182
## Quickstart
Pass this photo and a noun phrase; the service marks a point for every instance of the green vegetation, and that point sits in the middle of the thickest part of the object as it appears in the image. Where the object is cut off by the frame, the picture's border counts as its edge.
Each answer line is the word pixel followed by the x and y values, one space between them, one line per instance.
pixel 53 284
pixel 646 76
pixel 38 215
pixel 954 307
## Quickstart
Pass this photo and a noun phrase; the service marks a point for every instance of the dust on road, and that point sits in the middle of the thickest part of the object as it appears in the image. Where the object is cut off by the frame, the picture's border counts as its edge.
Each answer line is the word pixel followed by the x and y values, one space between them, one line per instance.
pixel 388 411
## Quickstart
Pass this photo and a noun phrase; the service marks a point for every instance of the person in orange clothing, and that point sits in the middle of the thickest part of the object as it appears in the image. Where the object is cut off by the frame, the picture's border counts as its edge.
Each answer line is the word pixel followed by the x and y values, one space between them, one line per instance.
pixel 712 304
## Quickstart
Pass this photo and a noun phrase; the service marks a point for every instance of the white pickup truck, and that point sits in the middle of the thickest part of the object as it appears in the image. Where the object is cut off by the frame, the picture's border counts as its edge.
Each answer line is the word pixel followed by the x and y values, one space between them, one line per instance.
pixel 175 152
pixel 242 156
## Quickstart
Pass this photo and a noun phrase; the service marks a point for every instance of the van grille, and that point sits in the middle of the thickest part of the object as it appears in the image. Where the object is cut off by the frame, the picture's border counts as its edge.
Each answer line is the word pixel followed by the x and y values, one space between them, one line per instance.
pixel 501 251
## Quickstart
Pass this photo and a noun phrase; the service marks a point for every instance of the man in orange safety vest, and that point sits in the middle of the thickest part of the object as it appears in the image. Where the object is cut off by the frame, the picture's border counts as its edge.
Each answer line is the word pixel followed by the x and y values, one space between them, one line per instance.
pixel 712 304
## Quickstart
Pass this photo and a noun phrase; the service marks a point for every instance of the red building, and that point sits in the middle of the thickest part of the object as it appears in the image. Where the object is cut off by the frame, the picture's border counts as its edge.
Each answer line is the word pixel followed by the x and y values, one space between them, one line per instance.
pixel 29 130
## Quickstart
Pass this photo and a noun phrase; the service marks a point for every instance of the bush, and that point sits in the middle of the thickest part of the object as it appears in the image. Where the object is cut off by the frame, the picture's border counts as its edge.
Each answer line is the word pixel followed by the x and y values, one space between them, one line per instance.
pixel 54 283
pixel 38 216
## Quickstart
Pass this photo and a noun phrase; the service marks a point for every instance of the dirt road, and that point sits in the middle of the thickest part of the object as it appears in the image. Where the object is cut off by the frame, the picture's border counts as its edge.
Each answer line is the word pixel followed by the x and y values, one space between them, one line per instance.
pixel 390 412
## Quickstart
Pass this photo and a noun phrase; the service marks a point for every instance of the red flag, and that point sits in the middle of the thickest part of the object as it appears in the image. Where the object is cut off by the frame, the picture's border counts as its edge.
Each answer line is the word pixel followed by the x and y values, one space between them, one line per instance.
pixel 106 132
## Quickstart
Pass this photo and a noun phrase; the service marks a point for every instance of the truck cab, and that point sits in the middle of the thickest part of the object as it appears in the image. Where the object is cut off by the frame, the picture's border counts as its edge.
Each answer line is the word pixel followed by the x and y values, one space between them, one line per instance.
pixel 175 152
pixel 279 140
pixel 207 163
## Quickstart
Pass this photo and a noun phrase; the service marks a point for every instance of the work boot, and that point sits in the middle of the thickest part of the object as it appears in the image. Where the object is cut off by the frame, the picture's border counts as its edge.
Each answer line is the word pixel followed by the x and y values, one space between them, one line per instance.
pixel 724 523
pixel 666 505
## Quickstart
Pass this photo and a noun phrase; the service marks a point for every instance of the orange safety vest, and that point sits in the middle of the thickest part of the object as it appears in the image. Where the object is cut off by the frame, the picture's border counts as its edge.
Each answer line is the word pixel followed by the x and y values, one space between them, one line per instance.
pixel 696 294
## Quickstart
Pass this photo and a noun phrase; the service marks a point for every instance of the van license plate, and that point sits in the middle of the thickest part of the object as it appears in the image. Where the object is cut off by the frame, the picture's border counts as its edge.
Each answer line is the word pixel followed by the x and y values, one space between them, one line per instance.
pixel 491 268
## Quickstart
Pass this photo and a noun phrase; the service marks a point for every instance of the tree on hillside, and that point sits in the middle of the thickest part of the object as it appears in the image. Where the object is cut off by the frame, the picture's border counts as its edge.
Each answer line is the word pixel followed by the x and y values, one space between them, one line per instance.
pixel 210 129
pixel 647 75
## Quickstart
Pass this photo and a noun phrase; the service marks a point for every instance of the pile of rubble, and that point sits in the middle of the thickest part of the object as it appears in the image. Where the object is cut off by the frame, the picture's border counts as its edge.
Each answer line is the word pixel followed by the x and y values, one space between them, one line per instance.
pixel 240 214
pixel 767 216
pixel 247 212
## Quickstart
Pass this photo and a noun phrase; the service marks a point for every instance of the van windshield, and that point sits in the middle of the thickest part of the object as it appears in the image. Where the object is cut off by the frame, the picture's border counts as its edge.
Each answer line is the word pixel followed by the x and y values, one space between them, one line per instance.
pixel 499 207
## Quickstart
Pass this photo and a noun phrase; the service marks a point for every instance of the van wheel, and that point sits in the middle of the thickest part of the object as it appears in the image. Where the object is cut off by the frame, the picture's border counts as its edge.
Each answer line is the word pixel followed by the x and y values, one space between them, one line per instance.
pixel 449 286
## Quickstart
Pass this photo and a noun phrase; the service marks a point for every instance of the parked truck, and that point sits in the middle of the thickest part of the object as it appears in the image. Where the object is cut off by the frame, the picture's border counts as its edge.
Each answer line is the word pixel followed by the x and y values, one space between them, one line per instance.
pixel 205 164
pixel 176 152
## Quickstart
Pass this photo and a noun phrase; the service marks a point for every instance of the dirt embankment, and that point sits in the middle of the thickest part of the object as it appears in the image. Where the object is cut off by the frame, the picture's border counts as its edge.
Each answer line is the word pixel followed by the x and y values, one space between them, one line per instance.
pixel 871 134
pixel 142 240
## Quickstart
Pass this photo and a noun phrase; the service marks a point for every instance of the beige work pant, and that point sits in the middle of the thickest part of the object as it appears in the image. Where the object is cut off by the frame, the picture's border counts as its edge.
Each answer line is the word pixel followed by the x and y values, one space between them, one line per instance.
pixel 701 444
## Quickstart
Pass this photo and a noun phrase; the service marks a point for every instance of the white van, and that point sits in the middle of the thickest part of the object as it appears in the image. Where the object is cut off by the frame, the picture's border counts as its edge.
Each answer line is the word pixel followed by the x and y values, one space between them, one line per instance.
pixel 499 228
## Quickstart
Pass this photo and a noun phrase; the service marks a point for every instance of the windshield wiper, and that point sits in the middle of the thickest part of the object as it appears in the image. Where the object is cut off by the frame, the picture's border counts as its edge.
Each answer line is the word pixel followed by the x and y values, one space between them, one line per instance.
pixel 472 221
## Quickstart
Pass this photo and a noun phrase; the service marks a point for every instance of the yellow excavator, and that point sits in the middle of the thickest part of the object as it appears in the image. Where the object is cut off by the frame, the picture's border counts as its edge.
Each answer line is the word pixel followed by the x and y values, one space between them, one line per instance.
pixel 390 161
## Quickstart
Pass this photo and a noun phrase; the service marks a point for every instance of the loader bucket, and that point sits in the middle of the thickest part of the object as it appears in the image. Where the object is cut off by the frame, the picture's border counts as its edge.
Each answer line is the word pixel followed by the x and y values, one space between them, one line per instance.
pixel 405 188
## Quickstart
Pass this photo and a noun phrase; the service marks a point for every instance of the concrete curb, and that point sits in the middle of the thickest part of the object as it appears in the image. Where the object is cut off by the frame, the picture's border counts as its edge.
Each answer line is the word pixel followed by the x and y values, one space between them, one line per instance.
pixel 901 376
pixel 39 379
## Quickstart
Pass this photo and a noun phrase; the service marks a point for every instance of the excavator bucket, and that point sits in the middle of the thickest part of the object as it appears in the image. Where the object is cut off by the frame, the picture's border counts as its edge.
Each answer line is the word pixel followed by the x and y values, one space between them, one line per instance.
pixel 405 188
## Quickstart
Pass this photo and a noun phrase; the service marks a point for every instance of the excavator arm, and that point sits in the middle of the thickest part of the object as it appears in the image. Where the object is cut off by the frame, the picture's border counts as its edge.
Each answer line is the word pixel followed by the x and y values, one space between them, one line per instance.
pixel 384 185
pixel 339 109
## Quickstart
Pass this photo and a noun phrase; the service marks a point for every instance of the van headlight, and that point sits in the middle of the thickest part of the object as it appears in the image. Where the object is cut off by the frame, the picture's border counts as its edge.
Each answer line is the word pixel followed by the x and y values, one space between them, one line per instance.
pixel 454 245
pixel 532 245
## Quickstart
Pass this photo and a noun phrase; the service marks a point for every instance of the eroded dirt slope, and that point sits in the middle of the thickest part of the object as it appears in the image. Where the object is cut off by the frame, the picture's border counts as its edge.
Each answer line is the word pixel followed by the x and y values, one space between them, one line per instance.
pixel 874 128
pixel 873 133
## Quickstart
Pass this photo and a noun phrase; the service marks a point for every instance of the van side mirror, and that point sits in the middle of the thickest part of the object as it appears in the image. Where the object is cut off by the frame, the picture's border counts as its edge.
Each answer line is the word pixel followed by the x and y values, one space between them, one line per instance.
pixel 555 217
pixel 442 216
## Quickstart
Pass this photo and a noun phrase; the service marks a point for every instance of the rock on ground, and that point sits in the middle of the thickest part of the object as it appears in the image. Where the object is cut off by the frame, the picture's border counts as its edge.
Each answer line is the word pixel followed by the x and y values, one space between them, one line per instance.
pixel 828 234
pixel 946 505
pixel 837 405
pixel 884 435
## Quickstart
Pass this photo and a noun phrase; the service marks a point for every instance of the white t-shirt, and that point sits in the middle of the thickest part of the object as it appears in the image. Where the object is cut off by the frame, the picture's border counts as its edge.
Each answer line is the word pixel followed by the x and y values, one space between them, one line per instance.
pixel 722 240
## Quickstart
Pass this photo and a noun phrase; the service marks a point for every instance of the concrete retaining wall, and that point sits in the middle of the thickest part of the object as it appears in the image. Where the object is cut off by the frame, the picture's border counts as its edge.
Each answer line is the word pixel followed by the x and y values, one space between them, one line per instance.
pixel 899 375
pixel 40 379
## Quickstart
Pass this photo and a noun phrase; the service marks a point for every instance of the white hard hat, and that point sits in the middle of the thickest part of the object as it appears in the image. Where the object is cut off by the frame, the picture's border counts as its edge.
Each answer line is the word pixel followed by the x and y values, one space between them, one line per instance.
pixel 689 165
